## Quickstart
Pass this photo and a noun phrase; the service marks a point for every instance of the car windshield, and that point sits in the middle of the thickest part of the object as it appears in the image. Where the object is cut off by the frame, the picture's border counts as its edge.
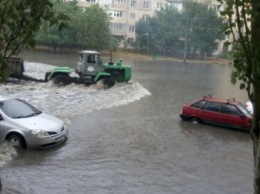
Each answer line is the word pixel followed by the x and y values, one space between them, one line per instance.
pixel 243 108
pixel 16 108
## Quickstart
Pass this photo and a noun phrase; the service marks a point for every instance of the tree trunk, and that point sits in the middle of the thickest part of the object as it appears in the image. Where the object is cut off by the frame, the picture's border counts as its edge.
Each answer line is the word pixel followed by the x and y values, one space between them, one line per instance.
pixel 0 185
pixel 255 137
pixel 257 168
pixel 255 132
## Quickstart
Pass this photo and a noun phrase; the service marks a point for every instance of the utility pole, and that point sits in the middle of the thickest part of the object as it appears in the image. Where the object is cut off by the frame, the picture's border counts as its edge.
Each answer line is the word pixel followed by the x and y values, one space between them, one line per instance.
pixel 186 39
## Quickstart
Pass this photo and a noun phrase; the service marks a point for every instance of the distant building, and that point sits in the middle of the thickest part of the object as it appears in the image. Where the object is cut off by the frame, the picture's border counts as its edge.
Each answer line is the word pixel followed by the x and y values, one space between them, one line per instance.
pixel 125 14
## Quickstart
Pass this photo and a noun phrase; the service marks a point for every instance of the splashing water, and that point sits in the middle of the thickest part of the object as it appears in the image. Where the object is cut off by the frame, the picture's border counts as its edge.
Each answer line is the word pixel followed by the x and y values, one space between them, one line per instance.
pixel 7 152
pixel 68 101
pixel 73 99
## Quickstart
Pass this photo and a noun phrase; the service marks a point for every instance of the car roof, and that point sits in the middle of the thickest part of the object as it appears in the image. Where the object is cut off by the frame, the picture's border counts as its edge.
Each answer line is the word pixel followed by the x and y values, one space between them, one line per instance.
pixel 221 100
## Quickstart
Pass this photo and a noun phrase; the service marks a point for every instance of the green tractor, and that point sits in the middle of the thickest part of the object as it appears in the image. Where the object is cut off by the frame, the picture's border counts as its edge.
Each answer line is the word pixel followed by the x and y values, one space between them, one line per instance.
pixel 90 70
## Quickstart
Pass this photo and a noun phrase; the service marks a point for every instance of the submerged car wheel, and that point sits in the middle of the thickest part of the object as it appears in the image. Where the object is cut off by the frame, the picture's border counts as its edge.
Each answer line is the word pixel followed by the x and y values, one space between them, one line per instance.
pixel 16 140
pixel 61 80
pixel 194 120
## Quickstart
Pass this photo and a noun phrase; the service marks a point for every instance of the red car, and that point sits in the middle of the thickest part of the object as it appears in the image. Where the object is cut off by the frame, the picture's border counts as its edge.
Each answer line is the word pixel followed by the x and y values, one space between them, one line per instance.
pixel 226 113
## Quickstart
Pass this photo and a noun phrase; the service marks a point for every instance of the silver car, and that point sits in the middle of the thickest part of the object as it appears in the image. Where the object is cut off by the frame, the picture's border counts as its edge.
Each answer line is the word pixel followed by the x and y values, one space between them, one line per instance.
pixel 24 125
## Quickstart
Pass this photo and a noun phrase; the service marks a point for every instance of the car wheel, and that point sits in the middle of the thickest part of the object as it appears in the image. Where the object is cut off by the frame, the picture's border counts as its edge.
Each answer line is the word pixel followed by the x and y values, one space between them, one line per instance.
pixel 61 80
pixel 16 140
pixel 194 120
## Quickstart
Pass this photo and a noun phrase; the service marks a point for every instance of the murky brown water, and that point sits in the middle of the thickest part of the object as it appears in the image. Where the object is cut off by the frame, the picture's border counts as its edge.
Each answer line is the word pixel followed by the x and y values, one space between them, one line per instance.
pixel 143 147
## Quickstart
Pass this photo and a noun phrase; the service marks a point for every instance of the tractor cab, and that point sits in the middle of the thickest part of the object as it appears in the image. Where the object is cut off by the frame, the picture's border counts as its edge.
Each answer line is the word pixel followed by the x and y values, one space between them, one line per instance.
pixel 89 64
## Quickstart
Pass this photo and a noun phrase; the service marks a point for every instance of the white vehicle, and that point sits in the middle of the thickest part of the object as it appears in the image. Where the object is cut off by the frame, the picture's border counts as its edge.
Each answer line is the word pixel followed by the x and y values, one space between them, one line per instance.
pixel 25 126
pixel 249 107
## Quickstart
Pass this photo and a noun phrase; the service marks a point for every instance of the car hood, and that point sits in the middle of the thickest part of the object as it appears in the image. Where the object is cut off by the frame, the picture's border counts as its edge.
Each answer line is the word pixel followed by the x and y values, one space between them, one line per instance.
pixel 42 121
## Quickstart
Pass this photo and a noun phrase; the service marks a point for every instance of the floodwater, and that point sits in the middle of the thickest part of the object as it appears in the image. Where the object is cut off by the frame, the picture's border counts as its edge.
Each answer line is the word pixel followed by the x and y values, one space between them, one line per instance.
pixel 142 146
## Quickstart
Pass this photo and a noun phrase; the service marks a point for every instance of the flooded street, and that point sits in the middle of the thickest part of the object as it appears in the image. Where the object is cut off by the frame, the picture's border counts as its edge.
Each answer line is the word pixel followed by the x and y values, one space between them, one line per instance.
pixel 141 146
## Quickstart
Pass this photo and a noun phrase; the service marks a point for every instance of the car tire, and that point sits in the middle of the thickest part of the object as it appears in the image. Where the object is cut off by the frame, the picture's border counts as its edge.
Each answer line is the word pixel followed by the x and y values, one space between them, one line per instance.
pixel 61 80
pixel 194 120
pixel 16 140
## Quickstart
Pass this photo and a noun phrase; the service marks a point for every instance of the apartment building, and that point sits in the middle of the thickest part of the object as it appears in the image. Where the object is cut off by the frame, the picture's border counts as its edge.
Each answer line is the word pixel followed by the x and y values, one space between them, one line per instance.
pixel 125 14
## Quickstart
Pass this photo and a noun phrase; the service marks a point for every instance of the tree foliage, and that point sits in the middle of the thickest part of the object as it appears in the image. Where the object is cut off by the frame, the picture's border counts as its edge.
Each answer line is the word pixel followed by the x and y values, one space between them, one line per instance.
pixel 87 27
pixel 51 35
pixel 204 28
pixel 197 25
pixel 242 24
pixel 160 32
pixel 19 21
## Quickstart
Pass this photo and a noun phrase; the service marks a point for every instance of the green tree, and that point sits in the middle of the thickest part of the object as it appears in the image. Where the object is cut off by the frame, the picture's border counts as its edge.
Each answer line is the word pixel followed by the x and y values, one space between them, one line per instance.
pixel 87 27
pixel 19 21
pixel 170 28
pixel 203 28
pixel 142 30
pixel 242 19
pixel 160 32
pixel 195 30
pixel 54 37
pixel 92 27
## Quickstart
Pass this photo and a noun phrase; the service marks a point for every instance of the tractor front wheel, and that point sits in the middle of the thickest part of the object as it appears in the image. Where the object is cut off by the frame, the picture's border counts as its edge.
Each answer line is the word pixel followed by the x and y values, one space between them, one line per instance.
pixel 106 83
pixel 61 80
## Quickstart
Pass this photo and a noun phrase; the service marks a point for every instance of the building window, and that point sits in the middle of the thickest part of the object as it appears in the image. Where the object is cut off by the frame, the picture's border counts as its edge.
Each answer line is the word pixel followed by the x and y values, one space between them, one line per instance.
pixel 119 14
pixel 133 3
pixel 159 6
pixel 146 4
pixel 132 16
pixel 131 28
pixel 117 26
pixel 145 16
pixel 121 2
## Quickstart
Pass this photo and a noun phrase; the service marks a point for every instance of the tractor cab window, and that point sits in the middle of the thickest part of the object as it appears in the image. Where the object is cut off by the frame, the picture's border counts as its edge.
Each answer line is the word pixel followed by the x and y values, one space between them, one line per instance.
pixel 94 58
pixel 98 60
pixel 91 59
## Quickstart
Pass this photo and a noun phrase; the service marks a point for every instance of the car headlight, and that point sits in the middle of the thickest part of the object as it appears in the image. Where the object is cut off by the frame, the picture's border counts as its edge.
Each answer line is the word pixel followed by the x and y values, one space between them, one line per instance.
pixel 39 133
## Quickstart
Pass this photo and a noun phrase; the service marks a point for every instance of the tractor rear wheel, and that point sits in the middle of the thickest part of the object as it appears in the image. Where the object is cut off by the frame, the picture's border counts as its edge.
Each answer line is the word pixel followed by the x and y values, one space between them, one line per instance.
pixel 61 80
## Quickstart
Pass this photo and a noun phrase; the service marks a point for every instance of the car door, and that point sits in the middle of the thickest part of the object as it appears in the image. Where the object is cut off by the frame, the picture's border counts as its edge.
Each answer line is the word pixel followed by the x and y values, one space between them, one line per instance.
pixel 210 112
pixel 231 116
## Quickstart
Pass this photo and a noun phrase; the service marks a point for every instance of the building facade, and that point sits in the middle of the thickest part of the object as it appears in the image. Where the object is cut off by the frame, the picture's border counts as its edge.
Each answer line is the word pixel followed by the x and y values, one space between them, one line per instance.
pixel 125 13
